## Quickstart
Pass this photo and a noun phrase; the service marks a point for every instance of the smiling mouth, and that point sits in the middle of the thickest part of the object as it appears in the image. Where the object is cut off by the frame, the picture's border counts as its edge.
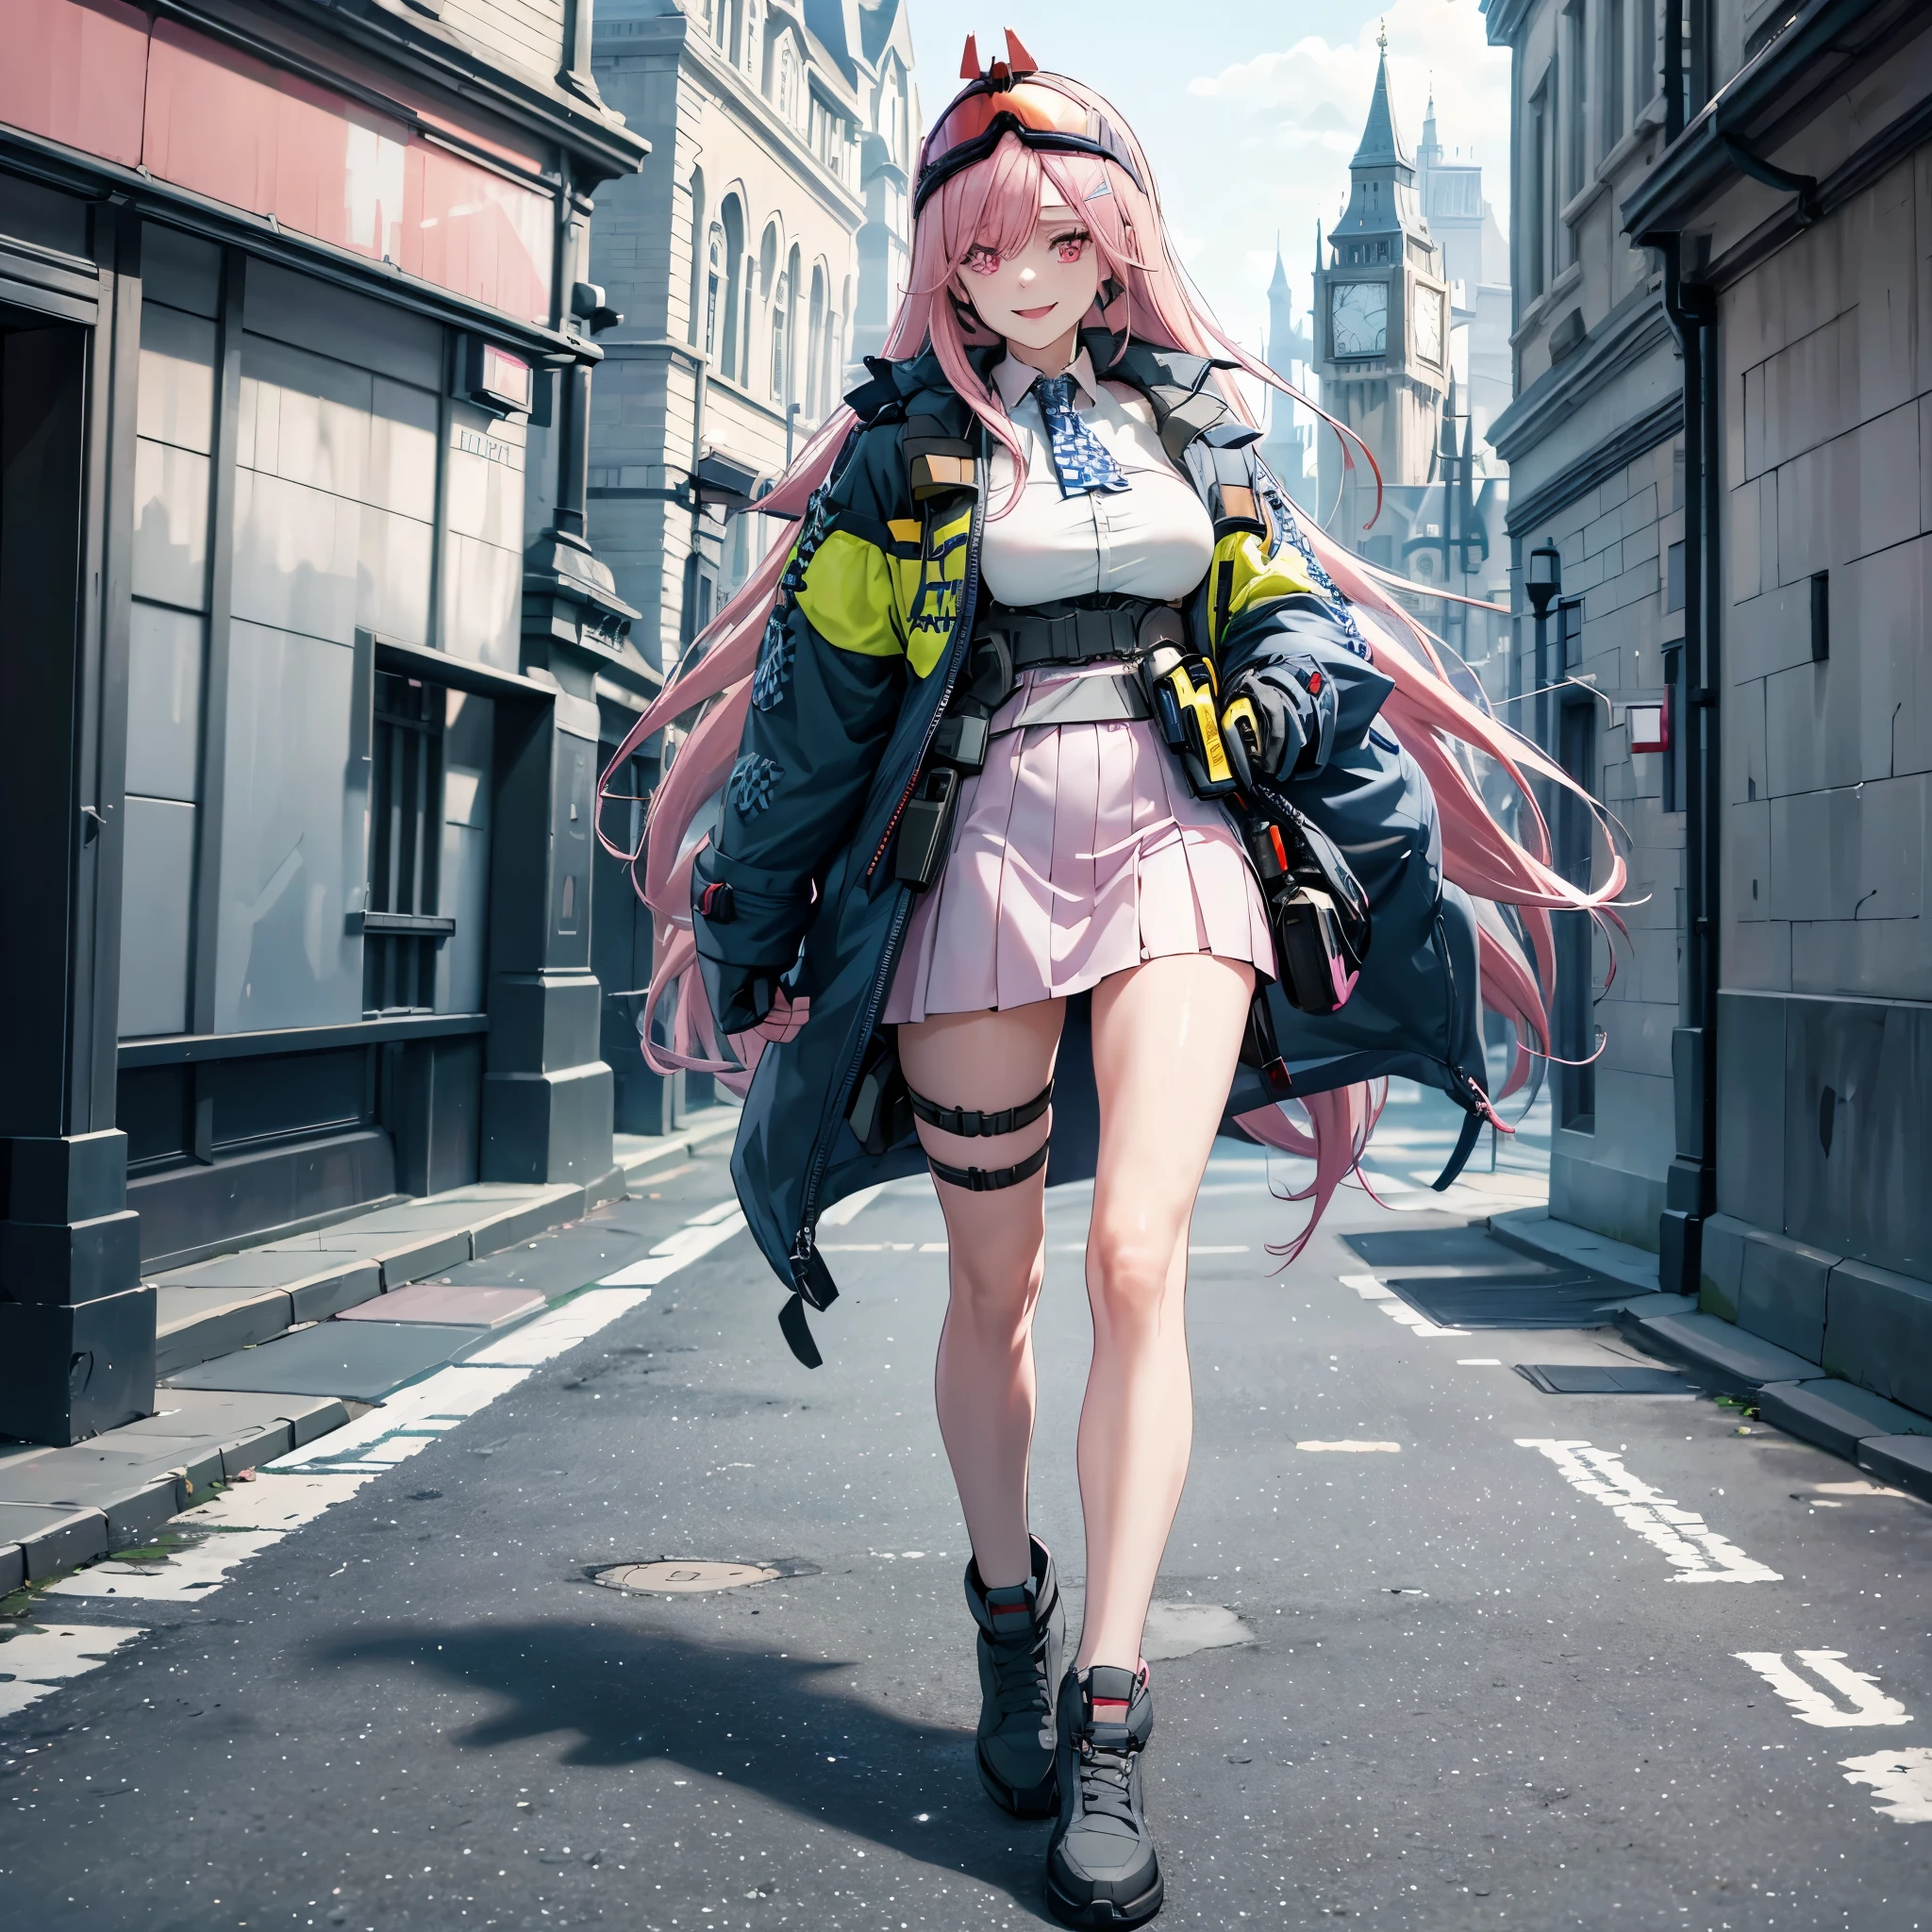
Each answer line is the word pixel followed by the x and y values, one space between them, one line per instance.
pixel 1034 314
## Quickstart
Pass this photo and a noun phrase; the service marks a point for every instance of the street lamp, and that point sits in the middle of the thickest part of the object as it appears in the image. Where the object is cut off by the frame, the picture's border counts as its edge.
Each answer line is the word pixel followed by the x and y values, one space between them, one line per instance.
pixel 1543 581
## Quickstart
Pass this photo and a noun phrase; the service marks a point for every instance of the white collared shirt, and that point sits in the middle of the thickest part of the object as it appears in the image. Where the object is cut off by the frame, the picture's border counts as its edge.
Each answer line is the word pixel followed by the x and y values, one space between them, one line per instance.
pixel 1151 540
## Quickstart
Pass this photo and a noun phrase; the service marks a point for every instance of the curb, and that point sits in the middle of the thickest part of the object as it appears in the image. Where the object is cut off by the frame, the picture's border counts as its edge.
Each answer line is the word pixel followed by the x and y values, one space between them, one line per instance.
pixel 61 1508
pixel 1880 1436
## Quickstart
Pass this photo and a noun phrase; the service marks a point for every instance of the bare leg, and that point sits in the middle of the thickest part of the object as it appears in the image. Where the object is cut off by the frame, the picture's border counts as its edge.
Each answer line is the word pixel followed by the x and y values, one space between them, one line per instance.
pixel 983 1383
pixel 1165 1041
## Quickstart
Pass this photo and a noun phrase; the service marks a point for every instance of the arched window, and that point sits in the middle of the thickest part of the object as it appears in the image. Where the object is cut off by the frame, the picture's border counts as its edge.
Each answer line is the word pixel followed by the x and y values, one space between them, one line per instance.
pixel 714 287
pixel 737 310
pixel 768 281
pixel 815 387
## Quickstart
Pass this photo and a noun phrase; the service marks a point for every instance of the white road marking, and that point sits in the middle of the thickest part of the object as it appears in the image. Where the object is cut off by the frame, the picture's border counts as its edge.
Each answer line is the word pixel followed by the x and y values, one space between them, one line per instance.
pixel 1858 1488
pixel 1355 1448
pixel 1478 1362
pixel 1901 1782
pixel 841 1213
pixel 43 1656
pixel 710 1230
pixel 296 1489
pixel 1869 1703
pixel 1700 1553
pixel 1415 1324
pixel 188 1575
pixel 1367 1287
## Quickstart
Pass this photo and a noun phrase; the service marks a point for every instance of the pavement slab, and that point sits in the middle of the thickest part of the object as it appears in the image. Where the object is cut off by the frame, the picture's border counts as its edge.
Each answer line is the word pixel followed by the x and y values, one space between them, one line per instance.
pixel 466 1306
pixel 195 1324
pixel 1468 1680
pixel 361 1361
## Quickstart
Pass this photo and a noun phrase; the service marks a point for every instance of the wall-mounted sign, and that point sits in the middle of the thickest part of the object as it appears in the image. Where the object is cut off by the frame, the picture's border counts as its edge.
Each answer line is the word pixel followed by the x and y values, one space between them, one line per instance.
pixel 495 380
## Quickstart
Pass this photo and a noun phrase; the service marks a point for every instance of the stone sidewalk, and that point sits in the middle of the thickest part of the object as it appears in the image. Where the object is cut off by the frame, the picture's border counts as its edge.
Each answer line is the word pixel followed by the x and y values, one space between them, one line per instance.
pixel 1883 1438
pixel 61 1507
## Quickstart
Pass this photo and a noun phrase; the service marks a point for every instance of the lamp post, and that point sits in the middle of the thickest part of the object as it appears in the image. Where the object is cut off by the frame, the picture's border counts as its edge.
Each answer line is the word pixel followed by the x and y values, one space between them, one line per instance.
pixel 1543 581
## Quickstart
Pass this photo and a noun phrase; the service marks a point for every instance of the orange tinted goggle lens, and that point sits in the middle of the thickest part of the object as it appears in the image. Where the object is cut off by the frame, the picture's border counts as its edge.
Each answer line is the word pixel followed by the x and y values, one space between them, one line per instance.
pixel 1044 109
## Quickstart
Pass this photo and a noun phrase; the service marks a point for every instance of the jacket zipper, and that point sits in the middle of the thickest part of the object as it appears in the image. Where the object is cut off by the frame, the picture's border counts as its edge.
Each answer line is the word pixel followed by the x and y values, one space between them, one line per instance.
pixel 969 595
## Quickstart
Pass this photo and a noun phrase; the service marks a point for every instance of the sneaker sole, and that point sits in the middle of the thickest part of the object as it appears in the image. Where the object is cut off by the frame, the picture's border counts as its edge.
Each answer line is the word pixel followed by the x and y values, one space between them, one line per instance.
pixel 1105 1911
pixel 1042 1801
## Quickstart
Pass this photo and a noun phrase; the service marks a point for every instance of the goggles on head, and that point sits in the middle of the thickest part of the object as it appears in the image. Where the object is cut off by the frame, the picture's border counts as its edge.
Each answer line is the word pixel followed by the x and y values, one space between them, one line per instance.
pixel 1011 97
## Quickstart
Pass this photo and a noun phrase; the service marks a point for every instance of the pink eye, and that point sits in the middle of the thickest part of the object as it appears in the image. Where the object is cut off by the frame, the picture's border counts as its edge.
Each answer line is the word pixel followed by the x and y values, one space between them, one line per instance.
pixel 982 262
pixel 1070 250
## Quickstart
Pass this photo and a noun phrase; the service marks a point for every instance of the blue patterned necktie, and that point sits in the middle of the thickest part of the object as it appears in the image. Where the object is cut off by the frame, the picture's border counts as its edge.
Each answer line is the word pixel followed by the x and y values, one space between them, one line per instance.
pixel 1079 458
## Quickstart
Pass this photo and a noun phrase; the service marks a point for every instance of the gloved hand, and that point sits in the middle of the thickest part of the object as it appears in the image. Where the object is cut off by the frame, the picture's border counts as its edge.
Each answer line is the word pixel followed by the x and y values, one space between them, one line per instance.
pixel 1285 712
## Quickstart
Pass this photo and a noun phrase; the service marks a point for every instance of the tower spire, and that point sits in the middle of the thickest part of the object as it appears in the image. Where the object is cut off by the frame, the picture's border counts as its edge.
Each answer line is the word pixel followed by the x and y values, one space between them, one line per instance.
pixel 1381 144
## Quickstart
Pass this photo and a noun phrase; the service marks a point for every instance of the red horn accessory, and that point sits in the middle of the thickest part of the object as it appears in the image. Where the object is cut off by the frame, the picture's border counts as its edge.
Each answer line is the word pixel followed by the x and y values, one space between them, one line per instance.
pixel 969 61
pixel 1022 62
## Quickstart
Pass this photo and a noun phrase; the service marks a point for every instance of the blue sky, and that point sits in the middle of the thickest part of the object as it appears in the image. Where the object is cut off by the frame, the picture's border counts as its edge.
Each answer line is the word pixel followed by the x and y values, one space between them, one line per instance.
pixel 1249 111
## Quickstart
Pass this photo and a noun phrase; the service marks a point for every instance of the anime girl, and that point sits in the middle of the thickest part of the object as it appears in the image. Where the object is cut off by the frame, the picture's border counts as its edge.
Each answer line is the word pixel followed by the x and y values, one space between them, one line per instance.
pixel 962 905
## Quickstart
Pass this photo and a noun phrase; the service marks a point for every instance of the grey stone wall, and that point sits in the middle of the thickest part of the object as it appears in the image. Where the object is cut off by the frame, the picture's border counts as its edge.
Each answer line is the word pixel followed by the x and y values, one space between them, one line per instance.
pixel 1615 542
pixel 1824 1242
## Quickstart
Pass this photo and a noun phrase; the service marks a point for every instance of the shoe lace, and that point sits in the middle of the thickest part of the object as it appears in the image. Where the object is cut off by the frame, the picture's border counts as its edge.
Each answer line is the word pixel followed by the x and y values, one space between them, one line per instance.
pixel 1019 1674
pixel 1106 1781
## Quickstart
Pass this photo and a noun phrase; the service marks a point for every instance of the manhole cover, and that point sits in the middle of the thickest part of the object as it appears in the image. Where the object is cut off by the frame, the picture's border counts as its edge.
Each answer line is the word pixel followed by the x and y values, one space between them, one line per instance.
pixel 684 1579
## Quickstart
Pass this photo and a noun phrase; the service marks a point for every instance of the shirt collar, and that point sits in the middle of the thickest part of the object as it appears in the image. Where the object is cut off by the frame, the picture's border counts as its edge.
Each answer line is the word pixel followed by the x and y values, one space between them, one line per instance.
pixel 1013 378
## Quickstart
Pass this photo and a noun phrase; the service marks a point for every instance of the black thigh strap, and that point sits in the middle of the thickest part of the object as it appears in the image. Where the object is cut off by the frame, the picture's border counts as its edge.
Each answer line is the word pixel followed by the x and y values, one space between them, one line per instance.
pixel 987 1180
pixel 970 1126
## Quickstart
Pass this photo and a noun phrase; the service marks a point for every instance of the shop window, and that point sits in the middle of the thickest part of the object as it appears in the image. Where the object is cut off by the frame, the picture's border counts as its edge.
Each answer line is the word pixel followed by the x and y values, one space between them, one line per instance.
pixel 401 929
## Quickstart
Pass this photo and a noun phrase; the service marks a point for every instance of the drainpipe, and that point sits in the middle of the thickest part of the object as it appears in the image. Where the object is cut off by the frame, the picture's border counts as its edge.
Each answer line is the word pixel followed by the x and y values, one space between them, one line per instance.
pixel 1690 1190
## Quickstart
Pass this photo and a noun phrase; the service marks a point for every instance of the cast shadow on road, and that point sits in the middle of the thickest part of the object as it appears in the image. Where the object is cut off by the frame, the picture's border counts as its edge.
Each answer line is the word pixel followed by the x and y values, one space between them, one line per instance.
pixel 780 1727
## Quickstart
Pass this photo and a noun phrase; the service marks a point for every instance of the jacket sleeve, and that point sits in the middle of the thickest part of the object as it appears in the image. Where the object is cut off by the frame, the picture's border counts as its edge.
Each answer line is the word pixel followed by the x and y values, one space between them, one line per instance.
pixel 1274 625
pixel 827 690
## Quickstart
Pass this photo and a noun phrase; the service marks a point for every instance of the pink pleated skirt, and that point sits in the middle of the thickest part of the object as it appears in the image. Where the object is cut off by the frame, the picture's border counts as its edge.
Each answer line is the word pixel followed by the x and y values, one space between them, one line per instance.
pixel 1078 852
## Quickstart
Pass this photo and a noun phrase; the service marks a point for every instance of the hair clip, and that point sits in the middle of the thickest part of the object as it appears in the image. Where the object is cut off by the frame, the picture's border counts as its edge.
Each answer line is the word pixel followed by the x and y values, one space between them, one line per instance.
pixel 1104 189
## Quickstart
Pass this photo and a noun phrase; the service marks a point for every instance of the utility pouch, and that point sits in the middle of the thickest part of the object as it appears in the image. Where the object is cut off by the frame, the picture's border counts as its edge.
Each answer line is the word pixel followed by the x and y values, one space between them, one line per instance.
pixel 1319 952
pixel 961 740
pixel 881 1110
pixel 926 829
pixel 1181 692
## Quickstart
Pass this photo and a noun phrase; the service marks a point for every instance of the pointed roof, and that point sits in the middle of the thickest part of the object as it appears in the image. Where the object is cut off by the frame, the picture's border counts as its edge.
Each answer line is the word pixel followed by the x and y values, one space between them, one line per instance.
pixel 1279 284
pixel 1381 145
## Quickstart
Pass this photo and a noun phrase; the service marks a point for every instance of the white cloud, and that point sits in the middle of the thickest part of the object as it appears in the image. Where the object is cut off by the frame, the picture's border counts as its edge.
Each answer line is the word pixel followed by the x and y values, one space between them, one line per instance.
pixel 1282 123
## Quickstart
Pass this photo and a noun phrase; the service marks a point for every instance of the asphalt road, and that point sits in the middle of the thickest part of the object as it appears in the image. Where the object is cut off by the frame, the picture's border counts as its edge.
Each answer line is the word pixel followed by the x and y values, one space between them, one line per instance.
pixel 1449 1681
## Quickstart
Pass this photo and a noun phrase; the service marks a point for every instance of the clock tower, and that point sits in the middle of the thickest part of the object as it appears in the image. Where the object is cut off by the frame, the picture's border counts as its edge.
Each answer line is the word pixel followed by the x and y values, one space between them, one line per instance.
pixel 1381 332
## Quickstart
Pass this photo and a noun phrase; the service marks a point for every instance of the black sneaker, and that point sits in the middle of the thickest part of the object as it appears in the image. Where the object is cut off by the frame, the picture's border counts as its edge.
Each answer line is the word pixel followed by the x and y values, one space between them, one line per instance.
pixel 1022 1634
pixel 1101 1867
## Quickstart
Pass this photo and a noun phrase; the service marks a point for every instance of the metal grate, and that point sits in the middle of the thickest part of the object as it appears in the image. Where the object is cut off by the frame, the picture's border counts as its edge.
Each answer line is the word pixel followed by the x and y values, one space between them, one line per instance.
pixel 1461 1278
pixel 1574 1378
pixel 401 929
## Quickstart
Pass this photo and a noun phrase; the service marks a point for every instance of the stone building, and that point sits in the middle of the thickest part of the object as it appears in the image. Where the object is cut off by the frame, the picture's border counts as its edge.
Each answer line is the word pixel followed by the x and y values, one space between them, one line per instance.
pixel 1776 262
pixel 300 644
pixel 757 256
pixel 755 259
pixel 1593 439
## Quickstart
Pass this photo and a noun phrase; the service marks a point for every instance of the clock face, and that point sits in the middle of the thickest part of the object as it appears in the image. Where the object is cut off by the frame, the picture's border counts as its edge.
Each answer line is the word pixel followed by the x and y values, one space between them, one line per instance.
pixel 1425 324
pixel 1358 318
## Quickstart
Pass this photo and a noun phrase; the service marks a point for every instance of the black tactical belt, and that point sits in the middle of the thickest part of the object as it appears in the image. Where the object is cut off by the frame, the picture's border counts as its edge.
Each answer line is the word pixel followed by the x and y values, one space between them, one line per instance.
pixel 1084 630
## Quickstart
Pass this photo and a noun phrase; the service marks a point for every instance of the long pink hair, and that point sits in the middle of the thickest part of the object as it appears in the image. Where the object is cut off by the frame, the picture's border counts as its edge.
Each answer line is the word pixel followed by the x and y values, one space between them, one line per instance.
pixel 1145 293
